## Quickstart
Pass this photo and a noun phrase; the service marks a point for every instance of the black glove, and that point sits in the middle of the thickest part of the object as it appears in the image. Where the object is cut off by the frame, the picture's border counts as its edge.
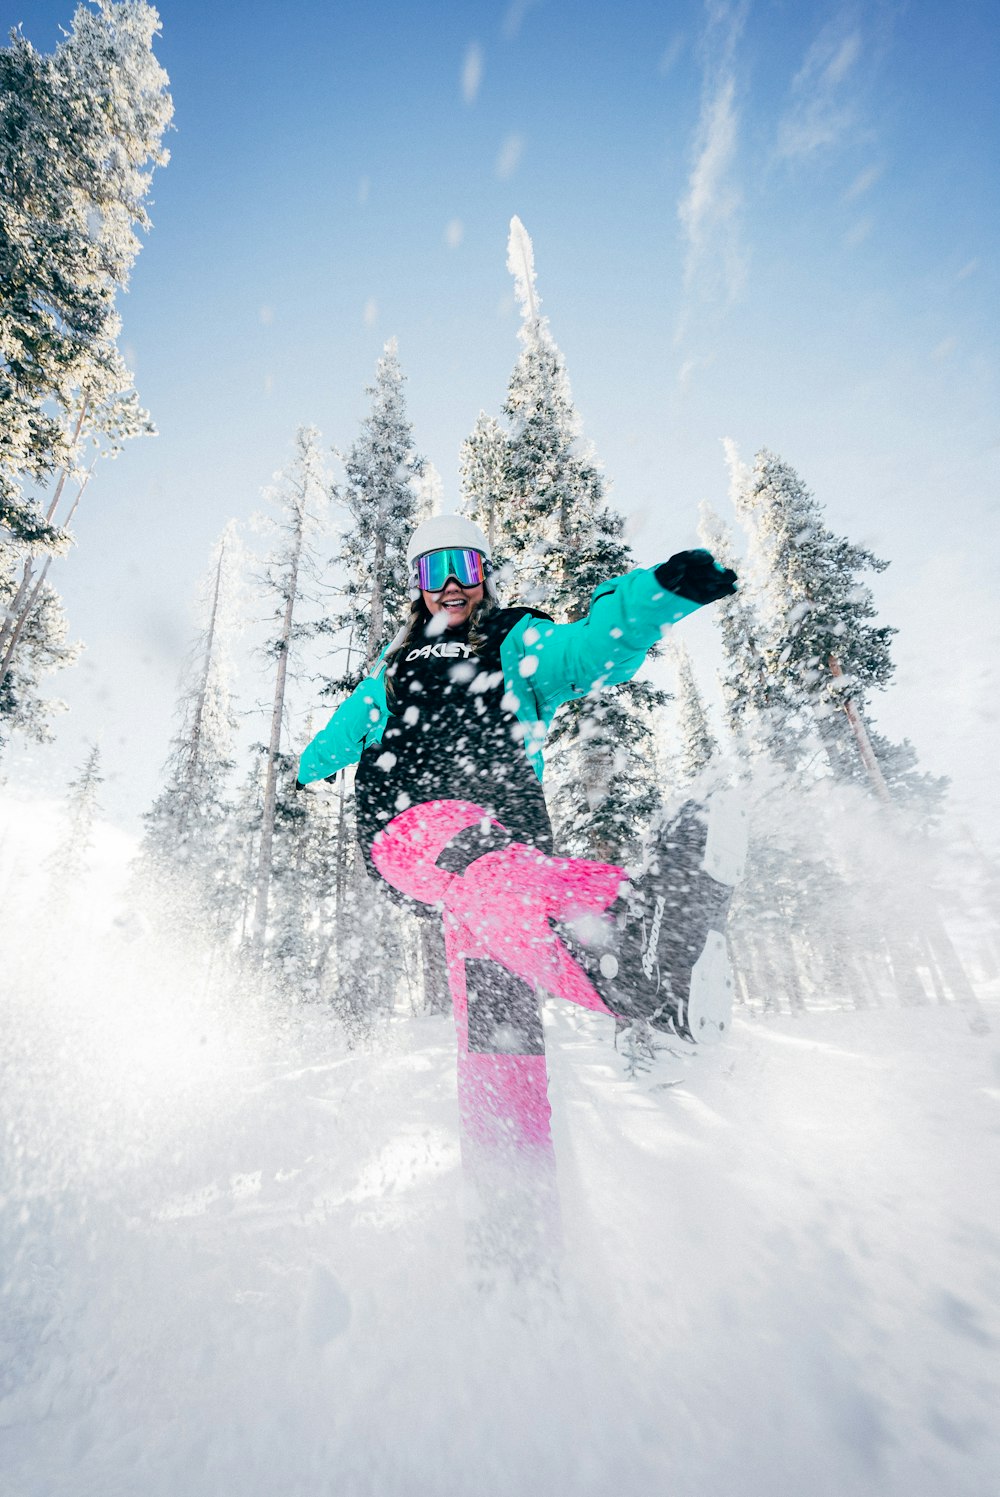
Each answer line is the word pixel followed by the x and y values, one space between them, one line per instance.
pixel 696 575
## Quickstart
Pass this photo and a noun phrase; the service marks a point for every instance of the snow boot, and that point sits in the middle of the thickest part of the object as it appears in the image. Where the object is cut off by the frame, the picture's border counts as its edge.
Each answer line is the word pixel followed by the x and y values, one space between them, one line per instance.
pixel 665 961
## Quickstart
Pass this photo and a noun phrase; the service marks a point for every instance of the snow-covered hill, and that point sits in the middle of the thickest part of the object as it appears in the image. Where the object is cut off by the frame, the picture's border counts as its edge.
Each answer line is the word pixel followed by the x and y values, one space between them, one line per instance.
pixel 233 1257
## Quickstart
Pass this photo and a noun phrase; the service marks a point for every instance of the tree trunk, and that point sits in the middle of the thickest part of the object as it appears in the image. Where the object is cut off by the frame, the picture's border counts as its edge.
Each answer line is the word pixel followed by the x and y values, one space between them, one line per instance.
pixel 194 747
pixel 937 982
pixel 863 741
pixel 955 975
pixel 437 995
pixel 22 612
pixel 271 781
pixel 909 989
pixel 377 616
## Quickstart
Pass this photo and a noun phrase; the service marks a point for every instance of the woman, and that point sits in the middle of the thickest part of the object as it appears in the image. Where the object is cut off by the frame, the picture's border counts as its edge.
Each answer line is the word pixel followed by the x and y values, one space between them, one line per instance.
pixel 447 732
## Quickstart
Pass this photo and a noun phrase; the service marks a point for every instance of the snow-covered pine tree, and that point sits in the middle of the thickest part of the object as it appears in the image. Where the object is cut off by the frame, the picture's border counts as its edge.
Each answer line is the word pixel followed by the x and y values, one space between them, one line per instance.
pixel 301 497
pixel 920 794
pixel 242 839
pixel 430 494
pixel 389 487
pixel 538 489
pixel 756 705
pixel 822 645
pixel 824 656
pixel 774 910
pixel 184 869
pixel 381 496
pixel 67 864
pixel 43 648
pixel 487 494
pixel 298 886
pixel 696 741
pixel 31 608
pixel 80 133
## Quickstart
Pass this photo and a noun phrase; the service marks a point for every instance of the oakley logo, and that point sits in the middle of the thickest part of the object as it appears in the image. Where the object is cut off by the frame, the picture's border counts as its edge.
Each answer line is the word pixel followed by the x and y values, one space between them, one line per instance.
pixel 649 955
pixel 452 649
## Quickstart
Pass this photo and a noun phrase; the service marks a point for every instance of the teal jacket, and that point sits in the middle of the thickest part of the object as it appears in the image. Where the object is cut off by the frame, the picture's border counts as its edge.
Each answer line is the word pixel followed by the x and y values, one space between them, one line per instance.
pixel 544 664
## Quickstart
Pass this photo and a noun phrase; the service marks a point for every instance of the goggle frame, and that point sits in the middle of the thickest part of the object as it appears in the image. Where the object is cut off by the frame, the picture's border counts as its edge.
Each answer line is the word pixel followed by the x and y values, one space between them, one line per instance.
pixel 434 568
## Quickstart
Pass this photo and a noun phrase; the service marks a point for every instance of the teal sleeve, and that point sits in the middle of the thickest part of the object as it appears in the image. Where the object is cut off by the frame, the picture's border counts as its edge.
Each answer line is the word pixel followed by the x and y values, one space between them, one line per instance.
pixel 627 617
pixel 361 717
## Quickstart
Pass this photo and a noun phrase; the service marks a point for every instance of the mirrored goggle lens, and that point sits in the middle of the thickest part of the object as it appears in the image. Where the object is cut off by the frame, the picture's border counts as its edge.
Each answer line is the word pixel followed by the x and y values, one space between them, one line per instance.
pixel 434 569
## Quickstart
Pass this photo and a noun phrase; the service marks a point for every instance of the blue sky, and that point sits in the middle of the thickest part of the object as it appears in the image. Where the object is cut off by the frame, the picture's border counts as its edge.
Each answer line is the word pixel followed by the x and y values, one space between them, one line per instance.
pixel 775 223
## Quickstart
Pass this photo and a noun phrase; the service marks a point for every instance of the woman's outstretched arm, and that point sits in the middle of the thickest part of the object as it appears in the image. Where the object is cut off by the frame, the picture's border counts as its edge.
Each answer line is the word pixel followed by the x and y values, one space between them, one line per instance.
pixel 627 617
pixel 341 741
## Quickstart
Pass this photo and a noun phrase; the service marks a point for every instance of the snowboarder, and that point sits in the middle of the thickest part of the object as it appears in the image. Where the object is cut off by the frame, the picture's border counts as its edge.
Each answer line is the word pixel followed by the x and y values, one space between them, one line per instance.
pixel 447 733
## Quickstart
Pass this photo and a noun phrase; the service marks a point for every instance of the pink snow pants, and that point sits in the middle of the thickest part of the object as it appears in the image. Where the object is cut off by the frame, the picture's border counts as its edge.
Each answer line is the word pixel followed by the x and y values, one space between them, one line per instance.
pixel 499 909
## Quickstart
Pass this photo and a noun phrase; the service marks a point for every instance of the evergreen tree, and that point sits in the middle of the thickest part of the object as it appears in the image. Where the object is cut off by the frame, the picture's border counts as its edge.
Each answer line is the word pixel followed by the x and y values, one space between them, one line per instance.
pixel 31 609
pixel 916 792
pixel 381 497
pixel 184 863
pixel 430 494
pixel 756 704
pixel 80 133
pixel 821 643
pixel 242 842
pixel 301 498
pixel 369 954
pixel 296 887
pixel 696 741
pixel 562 537
pixel 487 494
pixel 43 649
pixel 363 941
pixel 67 865
pixel 537 490
pixel 803 657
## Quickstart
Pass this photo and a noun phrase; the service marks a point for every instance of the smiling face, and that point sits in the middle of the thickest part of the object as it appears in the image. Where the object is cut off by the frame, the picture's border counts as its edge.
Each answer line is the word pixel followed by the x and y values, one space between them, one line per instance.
pixel 454 600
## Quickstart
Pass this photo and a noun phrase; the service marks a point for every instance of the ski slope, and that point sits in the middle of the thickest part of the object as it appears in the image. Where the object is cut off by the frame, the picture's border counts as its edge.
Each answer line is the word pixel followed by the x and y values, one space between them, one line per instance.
pixel 233 1256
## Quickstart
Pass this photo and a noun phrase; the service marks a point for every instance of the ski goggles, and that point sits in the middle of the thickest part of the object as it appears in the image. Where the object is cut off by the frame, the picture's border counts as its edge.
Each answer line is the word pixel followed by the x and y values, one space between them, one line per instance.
pixel 434 569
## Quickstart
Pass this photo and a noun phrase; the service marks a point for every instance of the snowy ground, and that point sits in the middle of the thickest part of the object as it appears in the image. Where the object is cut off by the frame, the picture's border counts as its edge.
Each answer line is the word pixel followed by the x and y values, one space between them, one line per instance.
pixel 233 1257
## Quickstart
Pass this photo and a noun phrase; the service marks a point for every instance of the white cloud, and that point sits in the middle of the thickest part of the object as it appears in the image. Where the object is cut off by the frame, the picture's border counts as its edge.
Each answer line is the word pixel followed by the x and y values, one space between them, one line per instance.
pixel 843 60
pixel 967 270
pixel 454 233
pixel 266 315
pixel 823 108
pixel 715 264
pixel 946 348
pixel 371 312
pixel 863 183
pixel 509 157
pixel 688 370
pixel 672 54
pixel 472 72
pixel 858 233
pixel 710 199
pixel 514 17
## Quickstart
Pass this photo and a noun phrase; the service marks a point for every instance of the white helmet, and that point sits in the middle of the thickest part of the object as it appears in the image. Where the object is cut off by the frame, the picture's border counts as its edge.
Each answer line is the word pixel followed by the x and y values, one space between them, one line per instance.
pixel 442 531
